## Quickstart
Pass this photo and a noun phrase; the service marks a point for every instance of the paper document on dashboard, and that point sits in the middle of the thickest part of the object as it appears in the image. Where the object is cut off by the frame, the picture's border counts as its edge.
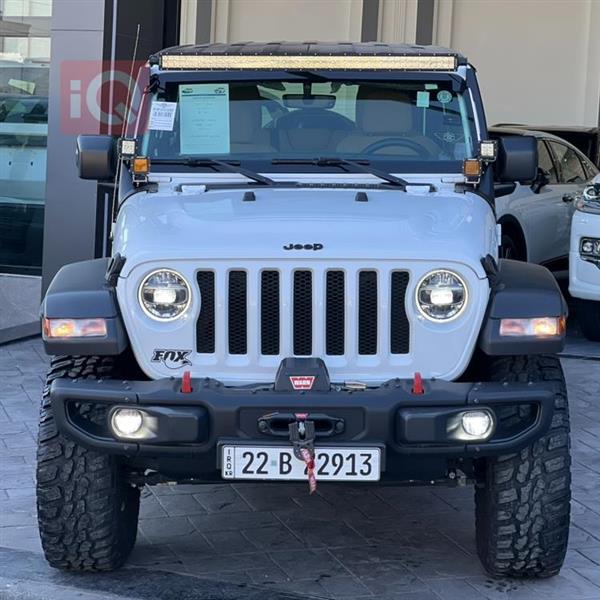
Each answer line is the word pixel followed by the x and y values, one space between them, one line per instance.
pixel 204 122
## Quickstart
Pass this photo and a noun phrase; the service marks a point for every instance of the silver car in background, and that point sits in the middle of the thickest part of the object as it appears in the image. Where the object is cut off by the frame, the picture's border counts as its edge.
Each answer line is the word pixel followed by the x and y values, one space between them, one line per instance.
pixel 536 217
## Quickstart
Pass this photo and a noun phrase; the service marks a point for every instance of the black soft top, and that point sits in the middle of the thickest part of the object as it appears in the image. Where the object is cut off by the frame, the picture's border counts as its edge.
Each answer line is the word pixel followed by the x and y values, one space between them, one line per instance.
pixel 308 49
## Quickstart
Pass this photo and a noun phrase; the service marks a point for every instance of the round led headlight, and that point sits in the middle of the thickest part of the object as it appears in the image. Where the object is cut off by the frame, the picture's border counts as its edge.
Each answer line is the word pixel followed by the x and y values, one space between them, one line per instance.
pixel 441 296
pixel 164 295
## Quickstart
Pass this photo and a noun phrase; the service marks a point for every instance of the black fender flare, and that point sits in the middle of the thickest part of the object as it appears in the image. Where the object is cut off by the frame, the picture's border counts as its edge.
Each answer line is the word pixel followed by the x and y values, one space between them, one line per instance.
pixel 85 290
pixel 521 291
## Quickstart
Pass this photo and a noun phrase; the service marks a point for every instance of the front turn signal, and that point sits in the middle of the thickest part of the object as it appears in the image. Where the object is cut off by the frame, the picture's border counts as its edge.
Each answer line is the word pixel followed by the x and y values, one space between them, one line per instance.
pixel 74 328
pixel 540 327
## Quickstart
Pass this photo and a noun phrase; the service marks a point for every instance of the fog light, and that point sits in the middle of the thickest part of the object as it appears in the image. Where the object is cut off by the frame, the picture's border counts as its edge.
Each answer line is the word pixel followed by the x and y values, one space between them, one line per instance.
pixel 477 424
pixel 126 422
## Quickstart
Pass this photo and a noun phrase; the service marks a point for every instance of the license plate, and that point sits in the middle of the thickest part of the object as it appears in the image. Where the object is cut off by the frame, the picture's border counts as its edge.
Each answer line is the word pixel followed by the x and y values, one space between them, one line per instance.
pixel 331 464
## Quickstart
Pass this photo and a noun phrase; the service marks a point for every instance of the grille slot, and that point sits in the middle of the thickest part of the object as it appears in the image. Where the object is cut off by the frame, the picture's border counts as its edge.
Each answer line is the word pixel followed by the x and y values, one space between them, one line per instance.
pixel 303 313
pixel 367 312
pixel 205 327
pixel 335 313
pixel 238 313
pixel 399 325
pixel 269 313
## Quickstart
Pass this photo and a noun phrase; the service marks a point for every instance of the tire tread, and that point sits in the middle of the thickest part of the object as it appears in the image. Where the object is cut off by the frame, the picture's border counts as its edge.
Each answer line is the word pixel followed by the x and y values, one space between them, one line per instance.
pixel 523 501
pixel 87 512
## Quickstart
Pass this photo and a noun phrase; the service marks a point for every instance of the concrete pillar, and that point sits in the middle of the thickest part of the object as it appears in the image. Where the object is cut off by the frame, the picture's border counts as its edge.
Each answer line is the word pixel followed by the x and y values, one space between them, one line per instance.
pixel 77 211
pixel 70 213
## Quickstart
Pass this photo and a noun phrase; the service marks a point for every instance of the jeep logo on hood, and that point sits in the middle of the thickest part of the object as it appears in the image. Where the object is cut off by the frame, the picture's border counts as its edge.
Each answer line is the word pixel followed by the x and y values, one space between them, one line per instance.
pixel 303 247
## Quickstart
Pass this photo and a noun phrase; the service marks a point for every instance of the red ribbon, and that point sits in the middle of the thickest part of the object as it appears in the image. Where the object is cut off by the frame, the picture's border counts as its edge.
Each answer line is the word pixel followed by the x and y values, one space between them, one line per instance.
pixel 310 469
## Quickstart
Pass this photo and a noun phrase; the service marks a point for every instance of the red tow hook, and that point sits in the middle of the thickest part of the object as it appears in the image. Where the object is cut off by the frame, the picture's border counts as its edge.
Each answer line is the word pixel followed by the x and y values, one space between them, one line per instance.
pixel 186 383
pixel 417 387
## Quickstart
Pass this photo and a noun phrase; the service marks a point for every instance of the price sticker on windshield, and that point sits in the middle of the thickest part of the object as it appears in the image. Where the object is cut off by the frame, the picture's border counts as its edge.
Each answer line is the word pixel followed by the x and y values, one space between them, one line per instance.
pixel 204 123
pixel 162 116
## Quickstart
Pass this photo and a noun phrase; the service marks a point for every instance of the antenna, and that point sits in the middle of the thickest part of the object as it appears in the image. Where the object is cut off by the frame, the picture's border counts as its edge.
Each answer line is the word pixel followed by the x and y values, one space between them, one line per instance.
pixel 126 117
pixel 127 103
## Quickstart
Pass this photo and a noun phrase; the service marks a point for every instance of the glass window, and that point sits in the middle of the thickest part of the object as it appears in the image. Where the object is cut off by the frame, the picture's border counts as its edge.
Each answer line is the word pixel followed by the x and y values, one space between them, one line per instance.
pixel 590 169
pixel 24 70
pixel 399 122
pixel 571 169
pixel 546 163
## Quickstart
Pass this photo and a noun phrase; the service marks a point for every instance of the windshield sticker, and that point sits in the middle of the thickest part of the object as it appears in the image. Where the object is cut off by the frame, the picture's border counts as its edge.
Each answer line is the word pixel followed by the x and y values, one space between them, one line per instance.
pixel 423 99
pixel 444 96
pixel 431 86
pixel 25 86
pixel 162 116
pixel 204 123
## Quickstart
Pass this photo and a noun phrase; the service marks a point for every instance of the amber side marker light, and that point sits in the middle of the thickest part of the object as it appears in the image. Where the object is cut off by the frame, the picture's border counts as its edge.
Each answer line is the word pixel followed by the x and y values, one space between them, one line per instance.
pixel 73 328
pixel 540 327
pixel 472 168
pixel 141 165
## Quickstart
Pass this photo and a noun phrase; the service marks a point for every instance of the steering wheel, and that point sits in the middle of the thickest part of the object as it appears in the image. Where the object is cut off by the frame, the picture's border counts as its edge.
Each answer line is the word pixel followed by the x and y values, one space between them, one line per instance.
pixel 419 149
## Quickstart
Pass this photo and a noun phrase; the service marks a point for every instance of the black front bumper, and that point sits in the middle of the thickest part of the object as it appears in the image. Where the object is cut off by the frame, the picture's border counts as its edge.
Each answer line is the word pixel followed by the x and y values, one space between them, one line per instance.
pixel 191 426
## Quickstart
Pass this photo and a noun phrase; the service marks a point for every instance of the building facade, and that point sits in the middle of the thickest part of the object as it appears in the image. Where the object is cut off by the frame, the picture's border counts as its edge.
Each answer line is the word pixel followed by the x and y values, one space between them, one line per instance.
pixel 538 62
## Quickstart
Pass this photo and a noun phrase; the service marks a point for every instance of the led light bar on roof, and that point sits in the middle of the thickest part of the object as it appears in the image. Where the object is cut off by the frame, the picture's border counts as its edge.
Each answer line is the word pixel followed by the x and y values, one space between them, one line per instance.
pixel 286 63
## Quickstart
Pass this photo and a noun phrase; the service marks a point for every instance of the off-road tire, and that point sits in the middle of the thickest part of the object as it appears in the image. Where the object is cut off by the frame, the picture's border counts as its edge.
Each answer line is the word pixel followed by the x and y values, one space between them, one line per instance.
pixel 87 512
pixel 588 313
pixel 522 500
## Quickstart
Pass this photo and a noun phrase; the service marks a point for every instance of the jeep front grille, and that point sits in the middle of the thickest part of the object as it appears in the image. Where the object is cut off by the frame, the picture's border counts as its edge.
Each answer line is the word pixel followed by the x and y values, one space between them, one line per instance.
pixel 302 312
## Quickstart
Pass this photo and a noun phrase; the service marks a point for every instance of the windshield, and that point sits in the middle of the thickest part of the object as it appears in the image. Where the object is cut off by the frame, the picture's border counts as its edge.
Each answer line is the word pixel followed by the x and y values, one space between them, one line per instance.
pixel 411 126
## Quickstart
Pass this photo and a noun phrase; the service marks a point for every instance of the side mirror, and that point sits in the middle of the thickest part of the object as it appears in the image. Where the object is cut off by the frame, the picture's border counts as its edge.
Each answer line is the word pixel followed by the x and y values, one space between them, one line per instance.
pixel 96 157
pixel 517 158
pixel 540 181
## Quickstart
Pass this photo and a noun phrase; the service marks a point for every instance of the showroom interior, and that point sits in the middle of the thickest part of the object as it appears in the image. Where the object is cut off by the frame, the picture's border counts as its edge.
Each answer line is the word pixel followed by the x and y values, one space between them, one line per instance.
pixel 48 217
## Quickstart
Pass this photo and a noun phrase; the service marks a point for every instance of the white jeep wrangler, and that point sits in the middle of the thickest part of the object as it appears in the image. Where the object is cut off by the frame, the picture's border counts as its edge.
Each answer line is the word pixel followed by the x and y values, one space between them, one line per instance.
pixel 305 285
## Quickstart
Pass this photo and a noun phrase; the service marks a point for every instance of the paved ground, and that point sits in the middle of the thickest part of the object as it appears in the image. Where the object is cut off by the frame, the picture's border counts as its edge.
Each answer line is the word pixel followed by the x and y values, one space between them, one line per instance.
pixel 20 299
pixel 264 541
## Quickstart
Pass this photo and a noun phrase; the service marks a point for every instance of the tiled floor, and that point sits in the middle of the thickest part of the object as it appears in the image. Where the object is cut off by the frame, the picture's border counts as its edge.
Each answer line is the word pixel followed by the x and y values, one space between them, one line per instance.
pixel 20 299
pixel 343 542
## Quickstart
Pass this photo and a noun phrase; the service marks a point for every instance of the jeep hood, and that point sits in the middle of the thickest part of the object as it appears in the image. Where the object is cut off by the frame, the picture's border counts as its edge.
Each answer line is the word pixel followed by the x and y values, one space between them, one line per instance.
pixel 388 225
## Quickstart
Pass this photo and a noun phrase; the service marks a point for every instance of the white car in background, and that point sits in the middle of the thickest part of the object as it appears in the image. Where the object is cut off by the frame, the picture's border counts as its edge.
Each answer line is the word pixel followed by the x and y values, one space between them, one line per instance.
pixel 536 217
pixel 584 259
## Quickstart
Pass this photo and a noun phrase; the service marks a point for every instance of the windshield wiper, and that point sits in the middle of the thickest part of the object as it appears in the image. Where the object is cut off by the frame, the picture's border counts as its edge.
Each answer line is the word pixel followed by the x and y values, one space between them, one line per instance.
pixel 361 165
pixel 217 165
